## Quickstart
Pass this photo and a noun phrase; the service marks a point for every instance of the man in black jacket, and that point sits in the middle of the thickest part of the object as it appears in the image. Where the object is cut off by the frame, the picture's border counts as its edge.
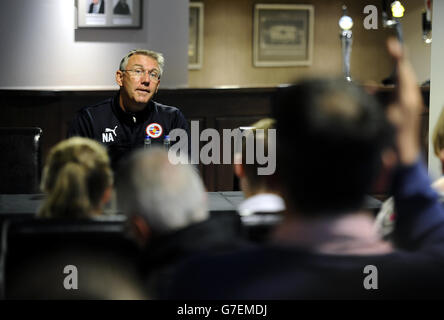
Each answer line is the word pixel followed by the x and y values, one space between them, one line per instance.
pixel 122 8
pixel 122 122
pixel 96 7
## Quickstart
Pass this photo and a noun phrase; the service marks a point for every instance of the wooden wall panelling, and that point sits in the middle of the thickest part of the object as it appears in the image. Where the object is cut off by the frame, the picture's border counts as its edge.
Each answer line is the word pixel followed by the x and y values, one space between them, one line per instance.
pixel 213 108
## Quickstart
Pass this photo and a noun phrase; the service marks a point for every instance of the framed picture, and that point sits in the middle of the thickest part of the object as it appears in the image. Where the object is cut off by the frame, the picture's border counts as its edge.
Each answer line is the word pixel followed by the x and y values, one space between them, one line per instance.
pixel 283 35
pixel 195 39
pixel 109 13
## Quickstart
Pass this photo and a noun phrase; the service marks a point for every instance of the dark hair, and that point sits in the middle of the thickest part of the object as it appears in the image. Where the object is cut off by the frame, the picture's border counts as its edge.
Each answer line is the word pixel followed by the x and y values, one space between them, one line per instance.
pixel 330 135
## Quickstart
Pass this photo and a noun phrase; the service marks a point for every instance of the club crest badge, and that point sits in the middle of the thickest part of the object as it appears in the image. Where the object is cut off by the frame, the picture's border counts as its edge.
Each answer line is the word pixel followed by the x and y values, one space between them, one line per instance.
pixel 154 130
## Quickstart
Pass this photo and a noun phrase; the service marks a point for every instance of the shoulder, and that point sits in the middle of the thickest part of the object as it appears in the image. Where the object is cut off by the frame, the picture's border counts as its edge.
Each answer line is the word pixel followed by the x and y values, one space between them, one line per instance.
pixel 102 109
pixel 162 108
pixel 97 108
pixel 170 114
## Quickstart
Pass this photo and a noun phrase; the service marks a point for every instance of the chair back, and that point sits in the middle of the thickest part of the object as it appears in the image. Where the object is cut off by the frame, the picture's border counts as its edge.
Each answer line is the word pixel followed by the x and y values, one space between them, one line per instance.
pixel 20 163
pixel 51 244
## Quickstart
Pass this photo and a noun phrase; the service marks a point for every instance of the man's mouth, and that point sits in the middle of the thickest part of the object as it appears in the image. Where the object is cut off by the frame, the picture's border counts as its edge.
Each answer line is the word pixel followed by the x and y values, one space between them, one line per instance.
pixel 143 90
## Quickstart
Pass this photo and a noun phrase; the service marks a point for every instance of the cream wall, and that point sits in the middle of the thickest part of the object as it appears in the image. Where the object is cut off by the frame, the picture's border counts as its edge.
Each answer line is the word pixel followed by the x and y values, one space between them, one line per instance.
pixel 228 34
pixel 419 52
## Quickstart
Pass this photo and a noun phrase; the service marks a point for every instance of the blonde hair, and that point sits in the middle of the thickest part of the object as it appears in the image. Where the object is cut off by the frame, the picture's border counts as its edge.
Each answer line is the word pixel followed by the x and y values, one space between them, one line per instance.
pixel 76 174
pixel 438 135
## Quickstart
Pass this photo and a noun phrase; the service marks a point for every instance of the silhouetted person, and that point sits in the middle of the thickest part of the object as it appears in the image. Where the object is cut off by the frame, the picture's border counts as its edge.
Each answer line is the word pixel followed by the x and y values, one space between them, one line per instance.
pixel 332 137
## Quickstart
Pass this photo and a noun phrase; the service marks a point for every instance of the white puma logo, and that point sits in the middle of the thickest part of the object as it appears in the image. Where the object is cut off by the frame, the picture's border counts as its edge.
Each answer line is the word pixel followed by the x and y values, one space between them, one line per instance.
pixel 107 136
pixel 111 130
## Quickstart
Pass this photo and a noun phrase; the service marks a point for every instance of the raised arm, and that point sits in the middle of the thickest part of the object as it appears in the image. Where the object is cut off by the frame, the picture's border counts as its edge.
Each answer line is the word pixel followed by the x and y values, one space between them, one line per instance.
pixel 419 214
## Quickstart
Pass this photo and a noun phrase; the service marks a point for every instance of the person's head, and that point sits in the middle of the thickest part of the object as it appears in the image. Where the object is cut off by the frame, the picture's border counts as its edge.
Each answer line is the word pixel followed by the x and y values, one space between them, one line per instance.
pixel 139 77
pixel 77 178
pixel 438 139
pixel 251 182
pixel 331 136
pixel 157 196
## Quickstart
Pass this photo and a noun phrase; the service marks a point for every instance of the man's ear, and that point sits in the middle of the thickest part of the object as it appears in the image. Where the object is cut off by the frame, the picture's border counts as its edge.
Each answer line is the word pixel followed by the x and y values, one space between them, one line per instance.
pixel 119 78
pixel 141 229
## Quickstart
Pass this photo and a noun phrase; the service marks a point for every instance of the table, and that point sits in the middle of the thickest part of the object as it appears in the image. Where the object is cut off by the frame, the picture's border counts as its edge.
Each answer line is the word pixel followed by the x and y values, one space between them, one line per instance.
pixel 28 204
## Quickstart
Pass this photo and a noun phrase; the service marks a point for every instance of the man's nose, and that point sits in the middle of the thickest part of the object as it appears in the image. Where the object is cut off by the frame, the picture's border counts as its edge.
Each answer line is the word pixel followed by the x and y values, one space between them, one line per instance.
pixel 146 78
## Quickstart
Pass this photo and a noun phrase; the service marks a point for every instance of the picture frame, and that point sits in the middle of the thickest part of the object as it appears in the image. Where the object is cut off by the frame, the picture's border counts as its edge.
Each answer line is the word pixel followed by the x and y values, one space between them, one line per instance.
pixel 283 35
pixel 108 14
pixel 195 39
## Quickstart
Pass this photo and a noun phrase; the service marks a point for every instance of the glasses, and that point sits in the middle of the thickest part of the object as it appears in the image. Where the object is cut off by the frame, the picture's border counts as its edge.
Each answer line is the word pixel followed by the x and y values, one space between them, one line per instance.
pixel 138 73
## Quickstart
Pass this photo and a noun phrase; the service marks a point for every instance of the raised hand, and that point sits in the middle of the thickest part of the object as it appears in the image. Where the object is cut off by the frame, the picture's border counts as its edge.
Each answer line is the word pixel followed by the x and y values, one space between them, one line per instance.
pixel 405 113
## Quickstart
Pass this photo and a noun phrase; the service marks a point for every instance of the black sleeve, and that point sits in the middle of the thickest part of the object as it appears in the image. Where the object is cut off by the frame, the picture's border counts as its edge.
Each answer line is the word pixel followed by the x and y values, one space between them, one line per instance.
pixel 81 125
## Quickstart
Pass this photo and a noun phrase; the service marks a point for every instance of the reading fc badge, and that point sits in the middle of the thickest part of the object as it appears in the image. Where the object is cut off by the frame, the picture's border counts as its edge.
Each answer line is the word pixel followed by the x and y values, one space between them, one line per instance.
pixel 154 130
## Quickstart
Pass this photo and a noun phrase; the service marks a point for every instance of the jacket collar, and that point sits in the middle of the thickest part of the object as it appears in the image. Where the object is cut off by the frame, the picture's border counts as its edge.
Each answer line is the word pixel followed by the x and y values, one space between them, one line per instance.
pixel 129 117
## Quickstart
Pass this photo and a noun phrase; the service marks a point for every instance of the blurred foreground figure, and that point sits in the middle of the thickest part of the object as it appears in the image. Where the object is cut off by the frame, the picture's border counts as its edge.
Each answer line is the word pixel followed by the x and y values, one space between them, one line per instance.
pixel 77 179
pixel 259 191
pixel 167 208
pixel 98 275
pixel 263 206
pixel 332 139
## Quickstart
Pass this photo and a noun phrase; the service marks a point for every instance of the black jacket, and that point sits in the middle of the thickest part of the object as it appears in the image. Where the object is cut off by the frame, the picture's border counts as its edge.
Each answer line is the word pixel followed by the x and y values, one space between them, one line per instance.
pixel 121 8
pixel 101 8
pixel 220 233
pixel 122 132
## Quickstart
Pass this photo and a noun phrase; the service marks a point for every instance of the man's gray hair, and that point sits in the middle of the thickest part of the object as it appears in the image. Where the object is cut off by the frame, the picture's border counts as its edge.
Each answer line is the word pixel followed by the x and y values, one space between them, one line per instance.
pixel 169 197
pixel 152 54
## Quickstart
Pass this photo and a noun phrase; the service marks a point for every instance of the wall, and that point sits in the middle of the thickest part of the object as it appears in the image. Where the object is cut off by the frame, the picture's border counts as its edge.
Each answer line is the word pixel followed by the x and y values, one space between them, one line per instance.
pixel 228 33
pixel 419 52
pixel 41 49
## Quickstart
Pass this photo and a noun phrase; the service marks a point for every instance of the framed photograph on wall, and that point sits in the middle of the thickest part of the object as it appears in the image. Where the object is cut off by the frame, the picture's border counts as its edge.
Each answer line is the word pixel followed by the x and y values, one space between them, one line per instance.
pixel 283 35
pixel 109 13
pixel 195 39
